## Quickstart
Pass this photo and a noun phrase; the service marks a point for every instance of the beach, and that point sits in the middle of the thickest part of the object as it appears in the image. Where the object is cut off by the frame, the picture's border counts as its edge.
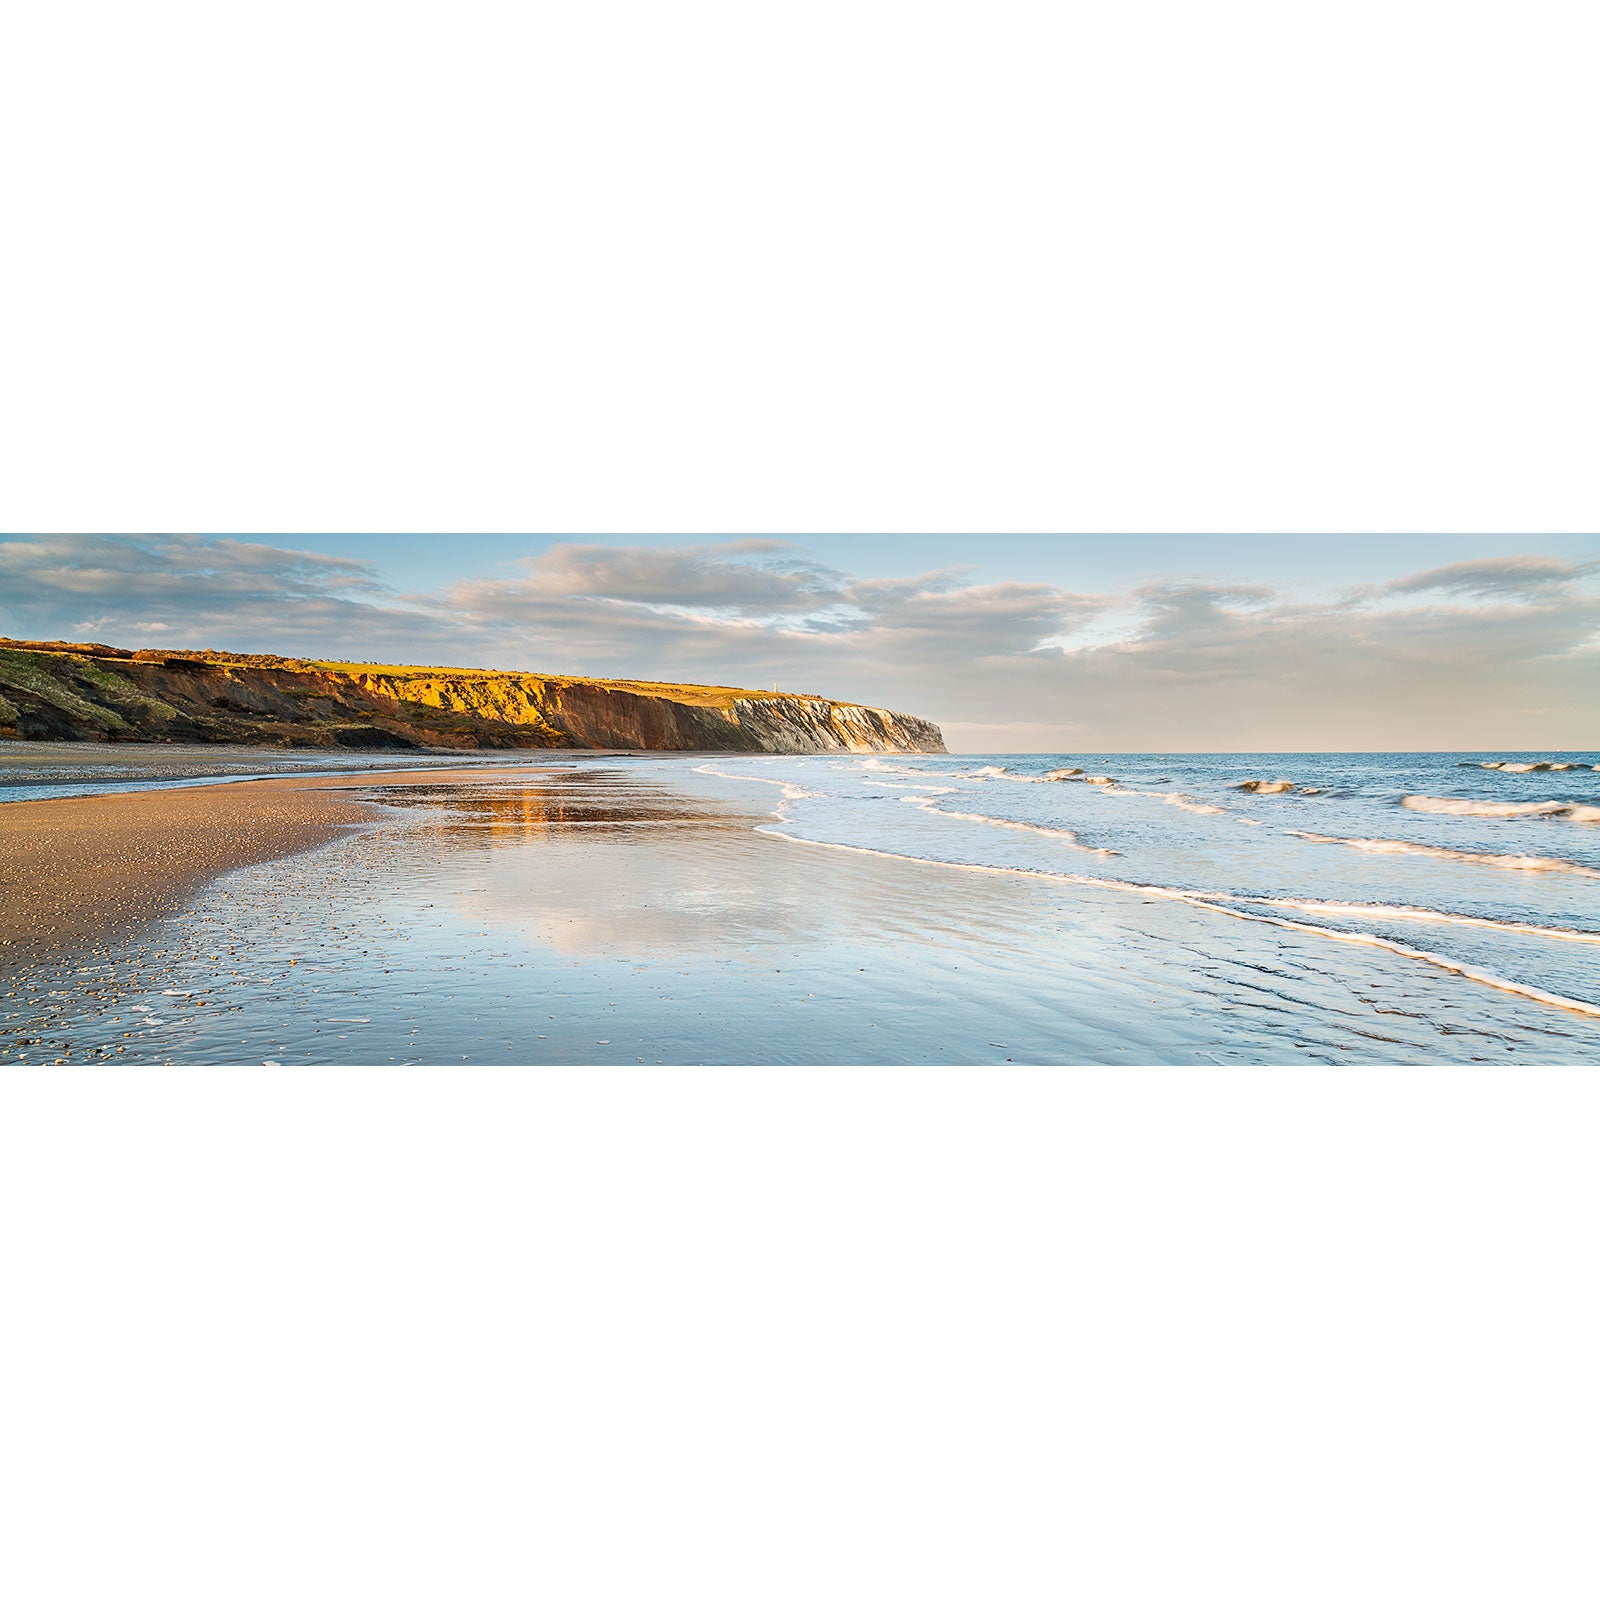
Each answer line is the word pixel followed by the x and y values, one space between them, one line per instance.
pixel 749 910
pixel 76 872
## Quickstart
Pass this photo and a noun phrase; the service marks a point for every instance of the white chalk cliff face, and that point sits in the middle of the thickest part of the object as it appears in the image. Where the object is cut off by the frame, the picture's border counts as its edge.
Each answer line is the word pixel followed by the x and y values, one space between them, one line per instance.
pixel 798 727
pixel 100 693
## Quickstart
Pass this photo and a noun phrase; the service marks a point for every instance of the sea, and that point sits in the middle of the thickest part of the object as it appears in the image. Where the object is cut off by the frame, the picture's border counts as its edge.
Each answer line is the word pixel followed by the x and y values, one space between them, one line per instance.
pixel 1478 863
pixel 1406 909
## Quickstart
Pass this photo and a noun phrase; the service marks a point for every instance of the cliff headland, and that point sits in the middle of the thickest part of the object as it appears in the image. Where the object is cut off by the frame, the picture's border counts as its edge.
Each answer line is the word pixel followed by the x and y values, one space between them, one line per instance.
pixel 57 690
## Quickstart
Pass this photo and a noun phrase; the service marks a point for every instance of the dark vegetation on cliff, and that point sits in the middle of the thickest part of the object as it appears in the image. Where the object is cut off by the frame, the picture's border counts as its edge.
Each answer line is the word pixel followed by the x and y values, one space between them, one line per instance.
pixel 57 690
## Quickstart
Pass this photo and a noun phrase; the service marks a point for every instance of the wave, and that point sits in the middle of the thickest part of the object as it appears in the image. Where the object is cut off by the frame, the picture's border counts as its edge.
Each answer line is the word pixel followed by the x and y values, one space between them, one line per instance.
pixel 1072 839
pixel 1346 908
pixel 1534 766
pixel 997 774
pixel 1004 774
pixel 1439 853
pixel 873 764
pixel 1184 802
pixel 994 774
pixel 1201 901
pixel 791 791
pixel 1433 958
pixel 924 802
pixel 1567 810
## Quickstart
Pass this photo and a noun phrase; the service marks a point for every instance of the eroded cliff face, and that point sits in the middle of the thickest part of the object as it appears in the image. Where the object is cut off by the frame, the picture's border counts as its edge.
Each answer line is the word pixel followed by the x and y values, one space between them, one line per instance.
pixel 60 691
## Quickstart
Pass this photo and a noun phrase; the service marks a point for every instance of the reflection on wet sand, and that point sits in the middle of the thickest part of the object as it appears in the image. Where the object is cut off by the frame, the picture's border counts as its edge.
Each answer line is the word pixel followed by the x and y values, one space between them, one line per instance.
pixel 515 808
pixel 627 913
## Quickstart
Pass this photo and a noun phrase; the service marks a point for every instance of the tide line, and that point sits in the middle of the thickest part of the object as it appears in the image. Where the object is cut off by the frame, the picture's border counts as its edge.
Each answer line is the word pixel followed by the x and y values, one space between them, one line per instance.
pixel 1203 902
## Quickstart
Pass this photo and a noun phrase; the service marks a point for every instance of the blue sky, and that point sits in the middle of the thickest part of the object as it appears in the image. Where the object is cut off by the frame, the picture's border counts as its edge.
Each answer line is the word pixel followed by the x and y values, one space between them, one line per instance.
pixel 1078 560
pixel 1010 642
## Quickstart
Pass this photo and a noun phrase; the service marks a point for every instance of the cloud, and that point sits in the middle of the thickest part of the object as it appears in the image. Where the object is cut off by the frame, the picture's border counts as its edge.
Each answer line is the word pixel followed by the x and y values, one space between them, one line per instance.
pixel 1454 657
pixel 1495 576
pixel 1293 675
pixel 221 593
pixel 719 578
pixel 117 567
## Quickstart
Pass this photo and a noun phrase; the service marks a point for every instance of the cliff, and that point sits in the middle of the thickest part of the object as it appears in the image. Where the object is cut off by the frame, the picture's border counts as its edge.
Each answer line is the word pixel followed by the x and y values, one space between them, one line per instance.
pixel 91 691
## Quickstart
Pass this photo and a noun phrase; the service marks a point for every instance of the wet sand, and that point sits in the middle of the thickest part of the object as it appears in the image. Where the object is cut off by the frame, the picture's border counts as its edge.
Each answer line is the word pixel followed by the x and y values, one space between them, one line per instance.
pixel 75 873
pixel 628 912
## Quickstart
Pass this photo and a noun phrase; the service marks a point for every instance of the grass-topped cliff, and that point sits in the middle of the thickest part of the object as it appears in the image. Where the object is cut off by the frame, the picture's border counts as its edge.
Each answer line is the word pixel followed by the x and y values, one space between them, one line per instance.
pixel 57 690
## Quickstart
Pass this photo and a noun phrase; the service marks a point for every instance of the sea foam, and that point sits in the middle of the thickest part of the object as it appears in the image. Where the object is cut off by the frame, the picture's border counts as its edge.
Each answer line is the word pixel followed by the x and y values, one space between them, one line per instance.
pixel 1067 834
pixel 1566 810
pixel 1204 901
pixel 1184 802
pixel 1513 863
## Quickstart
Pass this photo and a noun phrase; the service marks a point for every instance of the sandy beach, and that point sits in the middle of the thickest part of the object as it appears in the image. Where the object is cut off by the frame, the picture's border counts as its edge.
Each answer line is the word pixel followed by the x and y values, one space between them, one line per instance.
pixel 77 872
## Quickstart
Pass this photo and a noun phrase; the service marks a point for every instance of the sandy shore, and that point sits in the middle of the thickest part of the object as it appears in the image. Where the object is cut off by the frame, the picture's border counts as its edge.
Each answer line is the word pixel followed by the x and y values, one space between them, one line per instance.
pixel 74 872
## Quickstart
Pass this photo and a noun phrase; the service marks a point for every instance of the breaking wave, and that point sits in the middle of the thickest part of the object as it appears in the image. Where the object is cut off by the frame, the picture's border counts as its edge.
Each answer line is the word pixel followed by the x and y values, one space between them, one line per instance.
pixel 1004 774
pixel 994 774
pixel 1566 810
pixel 1440 853
pixel 1535 766
pixel 1184 802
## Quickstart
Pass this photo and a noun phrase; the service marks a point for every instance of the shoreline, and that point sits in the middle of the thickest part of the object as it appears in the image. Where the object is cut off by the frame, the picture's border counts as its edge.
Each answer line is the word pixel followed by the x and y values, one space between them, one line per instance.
pixel 130 768
pixel 81 869
pixel 615 911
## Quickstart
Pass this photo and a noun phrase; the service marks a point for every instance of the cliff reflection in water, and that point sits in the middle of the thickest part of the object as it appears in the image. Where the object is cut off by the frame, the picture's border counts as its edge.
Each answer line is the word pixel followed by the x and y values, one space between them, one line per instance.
pixel 556 861
pixel 523 807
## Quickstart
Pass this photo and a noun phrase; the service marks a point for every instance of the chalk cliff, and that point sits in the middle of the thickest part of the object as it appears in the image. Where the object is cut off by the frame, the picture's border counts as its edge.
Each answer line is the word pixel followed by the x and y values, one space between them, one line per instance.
pixel 90 691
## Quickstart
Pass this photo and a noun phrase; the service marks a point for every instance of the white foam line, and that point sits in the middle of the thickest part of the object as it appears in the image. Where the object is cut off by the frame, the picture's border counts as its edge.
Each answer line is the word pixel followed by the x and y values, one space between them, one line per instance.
pixel 791 791
pixel 874 765
pixel 929 804
pixel 1442 853
pixel 1567 810
pixel 1000 822
pixel 1338 908
pixel 1539 766
pixel 1477 974
pixel 992 774
pixel 1184 802
pixel 1191 898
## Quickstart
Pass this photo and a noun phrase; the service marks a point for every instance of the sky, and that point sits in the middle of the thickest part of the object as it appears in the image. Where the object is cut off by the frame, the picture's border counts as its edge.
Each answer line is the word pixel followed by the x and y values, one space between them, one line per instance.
pixel 1011 643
